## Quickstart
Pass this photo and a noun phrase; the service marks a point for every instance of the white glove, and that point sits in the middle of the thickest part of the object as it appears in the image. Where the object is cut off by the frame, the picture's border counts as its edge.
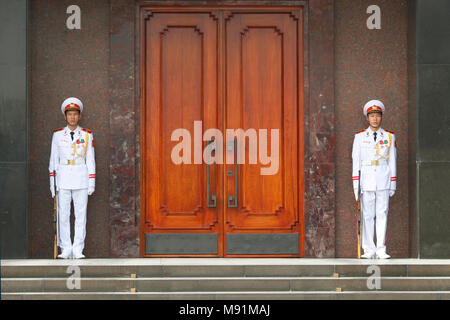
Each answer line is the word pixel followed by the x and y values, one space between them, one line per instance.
pixel 52 186
pixel 91 190
pixel 391 193
pixel 356 194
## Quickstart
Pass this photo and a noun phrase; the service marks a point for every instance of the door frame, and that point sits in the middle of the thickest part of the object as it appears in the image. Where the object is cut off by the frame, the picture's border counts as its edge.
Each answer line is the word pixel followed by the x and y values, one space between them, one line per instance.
pixel 302 103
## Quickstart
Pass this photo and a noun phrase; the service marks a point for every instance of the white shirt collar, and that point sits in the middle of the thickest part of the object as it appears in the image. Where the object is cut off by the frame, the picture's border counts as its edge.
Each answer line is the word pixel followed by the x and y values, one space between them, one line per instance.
pixel 378 131
pixel 76 129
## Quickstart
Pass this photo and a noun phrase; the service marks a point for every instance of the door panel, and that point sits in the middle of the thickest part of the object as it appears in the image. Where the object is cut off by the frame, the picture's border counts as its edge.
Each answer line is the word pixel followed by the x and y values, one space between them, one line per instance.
pixel 261 93
pixel 230 69
pixel 181 88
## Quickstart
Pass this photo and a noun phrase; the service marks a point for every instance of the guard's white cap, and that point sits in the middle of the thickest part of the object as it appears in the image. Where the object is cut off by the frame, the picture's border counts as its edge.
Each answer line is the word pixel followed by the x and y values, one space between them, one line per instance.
pixel 373 106
pixel 72 104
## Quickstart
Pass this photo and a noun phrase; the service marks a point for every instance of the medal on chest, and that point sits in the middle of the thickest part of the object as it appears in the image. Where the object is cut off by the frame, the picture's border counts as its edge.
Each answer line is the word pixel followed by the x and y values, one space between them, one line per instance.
pixel 78 143
pixel 383 144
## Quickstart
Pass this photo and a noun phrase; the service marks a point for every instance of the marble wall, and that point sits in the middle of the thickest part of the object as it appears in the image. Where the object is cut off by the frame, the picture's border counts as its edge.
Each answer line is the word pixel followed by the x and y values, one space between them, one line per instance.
pixel 13 129
pixel 346 65
pixel 320 132
pixel 371 64
pixel 66 63
pixel 432 160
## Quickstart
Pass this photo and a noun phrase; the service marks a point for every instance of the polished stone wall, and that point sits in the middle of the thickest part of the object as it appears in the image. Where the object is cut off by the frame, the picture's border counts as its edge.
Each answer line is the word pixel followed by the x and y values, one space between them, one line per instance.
pixel 13 129
pixel 68 63
pixel 371 64
pixel 412 130
pixel 347 65
pixel 433 127
pixel 319 168
pixel 124 119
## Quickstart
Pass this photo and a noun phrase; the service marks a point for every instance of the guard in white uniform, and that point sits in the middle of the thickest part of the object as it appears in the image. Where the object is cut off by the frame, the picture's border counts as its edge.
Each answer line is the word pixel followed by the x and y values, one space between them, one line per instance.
pixel 374 156
pixel 72 157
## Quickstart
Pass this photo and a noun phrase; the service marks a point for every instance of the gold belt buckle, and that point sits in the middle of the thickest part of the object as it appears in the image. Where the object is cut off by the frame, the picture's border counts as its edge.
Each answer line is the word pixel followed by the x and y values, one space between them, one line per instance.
pixel 374 162
pixel 71 162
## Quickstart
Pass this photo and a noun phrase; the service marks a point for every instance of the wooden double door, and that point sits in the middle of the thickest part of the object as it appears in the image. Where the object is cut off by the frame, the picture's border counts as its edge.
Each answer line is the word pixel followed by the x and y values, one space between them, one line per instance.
pixel 205 74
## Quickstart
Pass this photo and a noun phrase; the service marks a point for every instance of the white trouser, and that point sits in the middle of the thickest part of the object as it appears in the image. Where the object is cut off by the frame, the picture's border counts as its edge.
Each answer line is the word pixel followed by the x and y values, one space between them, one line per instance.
pixel 374 204
pixel 80 200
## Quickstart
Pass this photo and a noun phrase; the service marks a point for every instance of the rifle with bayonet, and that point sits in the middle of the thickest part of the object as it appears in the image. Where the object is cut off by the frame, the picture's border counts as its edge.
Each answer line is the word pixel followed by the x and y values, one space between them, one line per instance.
pixel 358 217
pixel 55 219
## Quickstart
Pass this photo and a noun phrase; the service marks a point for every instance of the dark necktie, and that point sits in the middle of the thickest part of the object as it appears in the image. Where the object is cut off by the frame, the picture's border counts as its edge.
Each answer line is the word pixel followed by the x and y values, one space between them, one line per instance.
pixel 374 136
pixel 71 134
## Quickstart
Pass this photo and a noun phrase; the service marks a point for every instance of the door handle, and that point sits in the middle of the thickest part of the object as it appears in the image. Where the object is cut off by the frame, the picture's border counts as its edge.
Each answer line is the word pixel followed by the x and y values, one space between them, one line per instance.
pixel 230 173
pixel 212 145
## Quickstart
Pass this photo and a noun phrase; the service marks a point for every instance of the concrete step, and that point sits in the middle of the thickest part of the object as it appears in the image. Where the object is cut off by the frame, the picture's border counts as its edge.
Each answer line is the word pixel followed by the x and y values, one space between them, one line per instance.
pixel 344 270
pixel 273 295
pixel 192 284
pixel 225 279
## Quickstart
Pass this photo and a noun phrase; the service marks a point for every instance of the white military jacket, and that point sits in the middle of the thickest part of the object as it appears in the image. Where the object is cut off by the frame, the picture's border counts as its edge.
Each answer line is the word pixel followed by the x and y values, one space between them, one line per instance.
pixel 375 159
pixel 74 161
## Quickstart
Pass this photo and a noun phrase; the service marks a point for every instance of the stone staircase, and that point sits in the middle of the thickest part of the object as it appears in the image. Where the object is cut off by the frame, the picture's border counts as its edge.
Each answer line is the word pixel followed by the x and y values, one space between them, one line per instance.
pixel 225 279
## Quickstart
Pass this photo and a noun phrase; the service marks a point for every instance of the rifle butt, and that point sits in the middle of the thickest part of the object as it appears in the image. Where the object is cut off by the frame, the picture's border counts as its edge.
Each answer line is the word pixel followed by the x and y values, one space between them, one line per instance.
pixel 55 248
pixel 358 234
pixel 55 218
pixel 359 248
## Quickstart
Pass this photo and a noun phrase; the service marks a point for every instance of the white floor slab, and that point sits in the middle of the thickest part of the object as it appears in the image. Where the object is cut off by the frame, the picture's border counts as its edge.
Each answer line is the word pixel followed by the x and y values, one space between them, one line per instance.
pixel 218 261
